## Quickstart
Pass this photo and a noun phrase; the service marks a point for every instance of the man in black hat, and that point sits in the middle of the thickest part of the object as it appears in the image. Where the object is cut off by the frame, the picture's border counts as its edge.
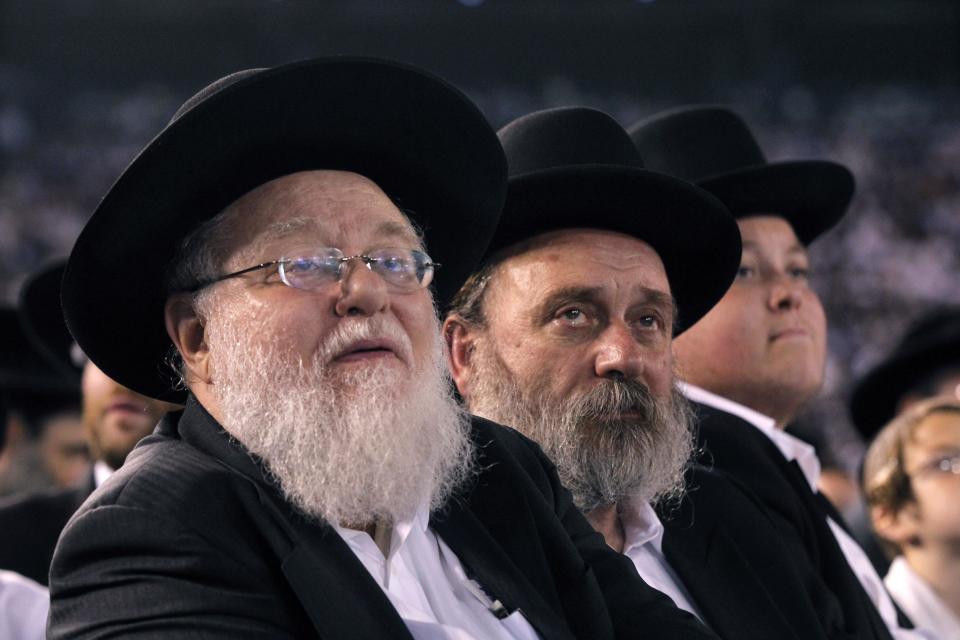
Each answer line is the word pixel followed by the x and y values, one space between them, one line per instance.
pixel 565 334
pixel 114 419
pixel 754 361
pixel 44 435
pixel 322 480
pixel 924 364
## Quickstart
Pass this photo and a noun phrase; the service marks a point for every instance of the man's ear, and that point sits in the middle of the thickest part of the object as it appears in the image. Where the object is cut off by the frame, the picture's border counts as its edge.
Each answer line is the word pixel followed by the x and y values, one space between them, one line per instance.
pixel 461 338
pixel 186 331
pixel 901 527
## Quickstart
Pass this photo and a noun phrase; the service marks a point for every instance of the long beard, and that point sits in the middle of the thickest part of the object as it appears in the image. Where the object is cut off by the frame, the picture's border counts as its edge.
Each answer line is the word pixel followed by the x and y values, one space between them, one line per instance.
pixel 371 445
pixel 612 444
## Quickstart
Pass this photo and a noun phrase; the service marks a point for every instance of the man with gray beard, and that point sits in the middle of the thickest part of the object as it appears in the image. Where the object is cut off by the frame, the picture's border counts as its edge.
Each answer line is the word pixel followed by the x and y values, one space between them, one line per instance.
pixel 565 333
pixel 322 481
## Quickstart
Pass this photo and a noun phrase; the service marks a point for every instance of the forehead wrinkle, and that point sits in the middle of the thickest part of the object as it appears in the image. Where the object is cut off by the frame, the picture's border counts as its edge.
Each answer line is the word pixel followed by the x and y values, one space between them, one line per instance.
pixel 401 230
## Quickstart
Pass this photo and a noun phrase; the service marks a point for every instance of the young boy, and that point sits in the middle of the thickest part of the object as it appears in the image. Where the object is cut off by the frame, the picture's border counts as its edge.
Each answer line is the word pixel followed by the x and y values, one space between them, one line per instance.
pixel 912 481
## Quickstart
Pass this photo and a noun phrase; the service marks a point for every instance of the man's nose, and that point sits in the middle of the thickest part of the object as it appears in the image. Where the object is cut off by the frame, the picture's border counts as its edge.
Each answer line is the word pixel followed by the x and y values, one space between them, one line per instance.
pixel 362 292
pixel 785 293
pixel 618 354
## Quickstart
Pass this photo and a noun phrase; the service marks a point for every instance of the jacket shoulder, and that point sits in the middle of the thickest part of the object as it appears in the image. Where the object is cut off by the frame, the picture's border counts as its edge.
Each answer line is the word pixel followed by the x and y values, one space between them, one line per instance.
pixel 170 478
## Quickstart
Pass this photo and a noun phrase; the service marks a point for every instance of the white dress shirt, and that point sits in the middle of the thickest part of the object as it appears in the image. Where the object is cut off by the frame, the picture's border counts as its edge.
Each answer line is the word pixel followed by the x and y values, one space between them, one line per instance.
pixel 919 601
pixel 101 471
pixel 643 543
pixel 805 455
pixel 23 608
pixel 427 585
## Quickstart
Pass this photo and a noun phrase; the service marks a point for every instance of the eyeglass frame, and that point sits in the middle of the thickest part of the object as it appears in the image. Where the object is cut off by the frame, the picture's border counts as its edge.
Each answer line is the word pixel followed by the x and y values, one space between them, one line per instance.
pixel 366 259
pixel 936 466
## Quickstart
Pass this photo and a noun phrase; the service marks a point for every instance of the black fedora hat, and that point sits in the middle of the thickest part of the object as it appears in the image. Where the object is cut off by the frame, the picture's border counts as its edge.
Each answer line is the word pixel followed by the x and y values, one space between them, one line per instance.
pixel 713 147
pixel 575 167
pixel 43 323
pixel 420 139
pixel 931 343
pixel 23 369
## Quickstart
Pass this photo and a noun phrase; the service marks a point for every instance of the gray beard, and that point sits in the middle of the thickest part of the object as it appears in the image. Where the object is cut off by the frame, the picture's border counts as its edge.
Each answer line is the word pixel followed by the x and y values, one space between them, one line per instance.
pixel 370 446
pixel 603 457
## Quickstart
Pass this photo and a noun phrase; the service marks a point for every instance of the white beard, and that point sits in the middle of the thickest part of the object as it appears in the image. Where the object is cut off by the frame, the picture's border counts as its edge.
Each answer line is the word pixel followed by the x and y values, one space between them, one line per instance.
pixel 373 445
pixel 603 459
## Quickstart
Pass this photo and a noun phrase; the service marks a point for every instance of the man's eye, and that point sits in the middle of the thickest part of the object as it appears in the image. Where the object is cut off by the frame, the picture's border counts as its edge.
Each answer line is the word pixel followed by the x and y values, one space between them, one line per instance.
pixel 573 315
pixel 801 273
pixel 745 272
pixel 650 321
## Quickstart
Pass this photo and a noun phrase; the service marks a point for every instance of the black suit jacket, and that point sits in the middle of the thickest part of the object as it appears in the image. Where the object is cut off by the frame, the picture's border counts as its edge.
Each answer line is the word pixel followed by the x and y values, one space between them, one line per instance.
pixel 188 539
pixel 30 526
pixel 740 450
pixel 731 558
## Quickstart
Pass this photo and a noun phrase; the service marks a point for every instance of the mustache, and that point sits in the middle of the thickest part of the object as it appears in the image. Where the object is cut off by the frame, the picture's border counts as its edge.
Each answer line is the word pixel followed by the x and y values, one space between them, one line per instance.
pixel 347 333
pixel 613 398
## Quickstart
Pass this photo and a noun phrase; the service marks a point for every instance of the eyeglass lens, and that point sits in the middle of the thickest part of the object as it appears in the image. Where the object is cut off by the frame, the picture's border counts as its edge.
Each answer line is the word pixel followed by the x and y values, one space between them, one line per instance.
pixel 404 269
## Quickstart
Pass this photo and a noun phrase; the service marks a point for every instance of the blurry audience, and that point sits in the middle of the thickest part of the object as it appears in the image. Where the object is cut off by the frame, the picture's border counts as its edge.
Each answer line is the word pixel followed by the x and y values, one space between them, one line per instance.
pixel 45 447
pixel 912 482
pixel 23 602
pixel 114 419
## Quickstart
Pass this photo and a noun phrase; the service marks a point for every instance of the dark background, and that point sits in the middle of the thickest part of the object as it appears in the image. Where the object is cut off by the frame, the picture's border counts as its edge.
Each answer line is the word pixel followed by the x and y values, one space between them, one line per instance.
pixel 84 84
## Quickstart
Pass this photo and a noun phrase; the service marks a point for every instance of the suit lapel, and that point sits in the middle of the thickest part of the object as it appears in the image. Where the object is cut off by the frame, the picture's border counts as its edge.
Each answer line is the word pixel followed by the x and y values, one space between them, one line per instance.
pixel 698 558
pixel 335 589
pixel 485 561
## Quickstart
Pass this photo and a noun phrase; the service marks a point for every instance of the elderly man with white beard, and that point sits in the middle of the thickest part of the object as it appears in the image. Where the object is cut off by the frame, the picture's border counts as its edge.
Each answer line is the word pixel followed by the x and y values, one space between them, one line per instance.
pixel 321 481
pixel 565 334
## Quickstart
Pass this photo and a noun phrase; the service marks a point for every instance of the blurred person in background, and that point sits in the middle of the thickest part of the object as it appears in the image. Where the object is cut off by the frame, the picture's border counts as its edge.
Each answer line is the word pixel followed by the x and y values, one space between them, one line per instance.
pixel 925 363
pixel 45 448
pixel 114 419
pixel 565 334
pixel 23 602
pixel 912 480
pixel 758 356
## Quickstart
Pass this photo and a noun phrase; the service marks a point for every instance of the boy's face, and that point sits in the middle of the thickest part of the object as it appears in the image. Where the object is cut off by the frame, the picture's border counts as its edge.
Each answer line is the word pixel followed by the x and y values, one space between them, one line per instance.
pixel 932 462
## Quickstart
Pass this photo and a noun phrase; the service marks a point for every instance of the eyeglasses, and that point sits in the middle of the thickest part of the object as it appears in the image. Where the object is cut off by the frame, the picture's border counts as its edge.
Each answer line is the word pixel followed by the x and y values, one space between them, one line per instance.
pixel 947 464
pixel 403 269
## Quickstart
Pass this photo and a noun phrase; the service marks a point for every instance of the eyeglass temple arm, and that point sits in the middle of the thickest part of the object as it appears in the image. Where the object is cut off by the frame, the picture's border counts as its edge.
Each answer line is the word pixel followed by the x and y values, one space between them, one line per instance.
pixel 262 265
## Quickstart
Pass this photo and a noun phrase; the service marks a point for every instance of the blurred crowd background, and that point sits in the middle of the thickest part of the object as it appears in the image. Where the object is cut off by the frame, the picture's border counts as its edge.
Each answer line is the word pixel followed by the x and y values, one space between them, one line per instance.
pixel 84 84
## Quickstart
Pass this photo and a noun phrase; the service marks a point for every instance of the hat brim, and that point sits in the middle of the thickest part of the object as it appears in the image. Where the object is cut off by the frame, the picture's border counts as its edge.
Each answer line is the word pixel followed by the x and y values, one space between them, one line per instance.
pixel 812 195
pixel 420 139
pixel 42 318
pixel 692 232
pixel 875 398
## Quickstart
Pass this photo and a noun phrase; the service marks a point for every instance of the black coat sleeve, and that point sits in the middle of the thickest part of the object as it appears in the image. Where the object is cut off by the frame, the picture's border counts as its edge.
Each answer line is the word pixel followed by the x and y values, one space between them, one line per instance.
pixel 132 573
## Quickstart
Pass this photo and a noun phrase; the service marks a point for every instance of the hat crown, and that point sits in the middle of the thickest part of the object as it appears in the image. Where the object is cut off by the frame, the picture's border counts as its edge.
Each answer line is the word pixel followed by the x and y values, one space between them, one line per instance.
pixel 566 137
pixel 696 143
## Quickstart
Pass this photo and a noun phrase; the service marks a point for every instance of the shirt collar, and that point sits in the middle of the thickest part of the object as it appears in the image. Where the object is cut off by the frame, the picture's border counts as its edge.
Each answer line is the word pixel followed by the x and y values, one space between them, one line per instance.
pixel 641 526
pixel 791 447
pixel 400 531
pixel 101 471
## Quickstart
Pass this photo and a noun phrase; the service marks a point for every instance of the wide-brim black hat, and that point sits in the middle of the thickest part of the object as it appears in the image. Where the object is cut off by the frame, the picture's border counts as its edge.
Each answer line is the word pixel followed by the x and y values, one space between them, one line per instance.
pixel 931 343
pixel 713 147
pixel 23 370
pixel 420 139
pixel 575 167
pixel 43 323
